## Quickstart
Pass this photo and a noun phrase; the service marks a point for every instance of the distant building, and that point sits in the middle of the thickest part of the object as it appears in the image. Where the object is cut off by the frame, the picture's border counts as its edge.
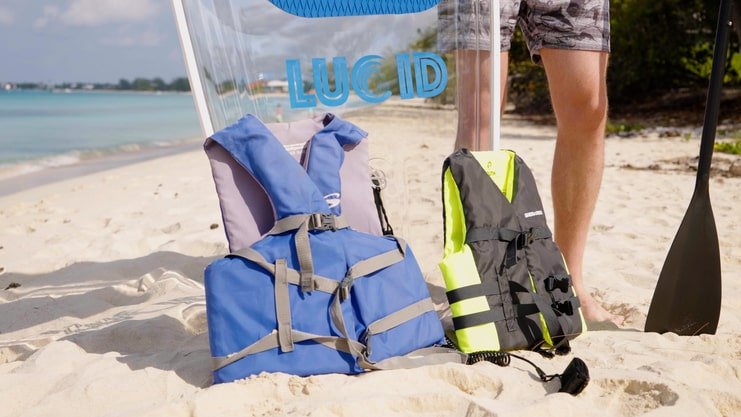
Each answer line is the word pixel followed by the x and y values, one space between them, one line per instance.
pixel 277 86
pixel 8 86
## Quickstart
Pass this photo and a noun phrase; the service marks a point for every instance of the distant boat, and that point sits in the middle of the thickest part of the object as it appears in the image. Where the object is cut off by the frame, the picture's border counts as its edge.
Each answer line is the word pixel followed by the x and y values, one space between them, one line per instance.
pixel 8 87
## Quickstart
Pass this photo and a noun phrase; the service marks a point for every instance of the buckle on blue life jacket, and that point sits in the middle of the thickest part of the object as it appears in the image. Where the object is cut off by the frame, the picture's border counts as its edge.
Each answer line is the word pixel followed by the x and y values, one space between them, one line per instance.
pixel 561 283
pixel 564 307
pixel 322 222
pixel 344 288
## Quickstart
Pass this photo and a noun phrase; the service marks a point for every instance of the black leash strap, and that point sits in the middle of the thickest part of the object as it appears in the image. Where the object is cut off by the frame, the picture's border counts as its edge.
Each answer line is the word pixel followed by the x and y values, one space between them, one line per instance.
pixel 378 180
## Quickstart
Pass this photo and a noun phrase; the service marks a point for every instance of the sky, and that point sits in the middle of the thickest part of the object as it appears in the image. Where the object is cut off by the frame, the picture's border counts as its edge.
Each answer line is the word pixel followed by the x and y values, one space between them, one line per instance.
pixel 88 40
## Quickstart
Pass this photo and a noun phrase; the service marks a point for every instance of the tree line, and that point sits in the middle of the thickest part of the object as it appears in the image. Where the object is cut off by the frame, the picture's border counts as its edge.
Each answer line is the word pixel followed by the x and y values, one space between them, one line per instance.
pixel 179 84
pixel 659 47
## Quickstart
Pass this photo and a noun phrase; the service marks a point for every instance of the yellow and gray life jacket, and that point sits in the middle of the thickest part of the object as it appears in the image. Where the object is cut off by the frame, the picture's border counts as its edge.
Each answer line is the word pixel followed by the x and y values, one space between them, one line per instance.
pixel 507 282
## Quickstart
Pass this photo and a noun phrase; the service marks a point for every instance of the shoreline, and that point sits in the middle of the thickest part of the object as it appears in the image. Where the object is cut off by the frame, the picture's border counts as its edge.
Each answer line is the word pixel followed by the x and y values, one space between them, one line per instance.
pixel 103 160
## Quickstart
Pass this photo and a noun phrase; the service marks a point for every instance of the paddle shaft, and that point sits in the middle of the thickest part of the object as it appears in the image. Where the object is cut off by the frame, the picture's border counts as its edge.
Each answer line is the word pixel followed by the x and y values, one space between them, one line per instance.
pixel 712 106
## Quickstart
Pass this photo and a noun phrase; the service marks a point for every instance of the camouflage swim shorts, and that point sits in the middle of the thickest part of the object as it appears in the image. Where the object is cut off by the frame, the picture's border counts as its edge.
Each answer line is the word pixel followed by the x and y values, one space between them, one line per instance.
pixel 560 24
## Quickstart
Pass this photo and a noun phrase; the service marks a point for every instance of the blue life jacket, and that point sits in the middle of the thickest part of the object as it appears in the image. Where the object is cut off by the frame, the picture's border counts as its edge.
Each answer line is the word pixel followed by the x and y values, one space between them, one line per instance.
pixel 313 296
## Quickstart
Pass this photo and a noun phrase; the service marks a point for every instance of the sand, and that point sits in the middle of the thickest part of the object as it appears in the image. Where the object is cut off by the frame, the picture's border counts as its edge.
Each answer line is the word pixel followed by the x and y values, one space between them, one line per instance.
pixel 109 317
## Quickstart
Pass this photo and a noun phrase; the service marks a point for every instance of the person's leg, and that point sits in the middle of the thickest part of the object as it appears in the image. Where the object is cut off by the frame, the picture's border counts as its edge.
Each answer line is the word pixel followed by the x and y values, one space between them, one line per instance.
pixel 576 81
pixel 473 100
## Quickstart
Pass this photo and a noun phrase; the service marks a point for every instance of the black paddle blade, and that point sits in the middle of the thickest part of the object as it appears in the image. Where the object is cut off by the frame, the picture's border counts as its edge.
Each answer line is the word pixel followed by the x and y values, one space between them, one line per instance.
pixel 687 297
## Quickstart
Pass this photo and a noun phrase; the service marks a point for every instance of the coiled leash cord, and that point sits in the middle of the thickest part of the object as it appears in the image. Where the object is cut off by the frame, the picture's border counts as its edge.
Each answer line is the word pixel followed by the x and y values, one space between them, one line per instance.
pixel 573 379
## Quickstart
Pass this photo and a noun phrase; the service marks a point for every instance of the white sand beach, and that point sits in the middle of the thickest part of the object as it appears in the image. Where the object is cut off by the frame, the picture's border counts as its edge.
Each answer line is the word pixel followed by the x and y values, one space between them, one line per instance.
pixel 102 310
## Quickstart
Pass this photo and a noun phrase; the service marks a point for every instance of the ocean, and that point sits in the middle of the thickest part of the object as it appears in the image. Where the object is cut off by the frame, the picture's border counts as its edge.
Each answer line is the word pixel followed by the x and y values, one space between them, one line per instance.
pixel 42 129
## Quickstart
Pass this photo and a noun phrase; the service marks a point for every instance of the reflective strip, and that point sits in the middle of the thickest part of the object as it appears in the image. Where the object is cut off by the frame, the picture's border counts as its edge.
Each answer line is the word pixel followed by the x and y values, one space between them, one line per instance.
pixel 283 306
pixel 321 283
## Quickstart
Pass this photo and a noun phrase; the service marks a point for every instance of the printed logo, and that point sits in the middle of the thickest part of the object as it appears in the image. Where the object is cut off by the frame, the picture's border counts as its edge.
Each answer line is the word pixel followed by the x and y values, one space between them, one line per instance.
pixel 417 74
pixel 533 214
pixel 333 200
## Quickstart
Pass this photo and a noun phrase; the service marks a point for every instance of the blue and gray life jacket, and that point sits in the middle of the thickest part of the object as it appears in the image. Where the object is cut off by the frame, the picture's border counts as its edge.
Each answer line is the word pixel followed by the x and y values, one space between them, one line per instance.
pixel 313 296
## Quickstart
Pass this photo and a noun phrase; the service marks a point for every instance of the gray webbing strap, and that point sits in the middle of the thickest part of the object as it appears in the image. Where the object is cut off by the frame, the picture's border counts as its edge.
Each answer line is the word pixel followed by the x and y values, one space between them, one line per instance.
pixel 302 223
pixel 335 314
pixel 283 306
pixel 321 283
pixel 422 357
pixel 266 343
pixel 291 223
pixel 270 341
pixel 400 316
pixel 551 320
pixel 303 252
pixel 375 263
pixel 288 224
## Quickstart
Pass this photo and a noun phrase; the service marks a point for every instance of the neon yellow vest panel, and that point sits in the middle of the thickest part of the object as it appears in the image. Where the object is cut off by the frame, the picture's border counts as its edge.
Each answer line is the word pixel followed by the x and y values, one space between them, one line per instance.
pixel 508 285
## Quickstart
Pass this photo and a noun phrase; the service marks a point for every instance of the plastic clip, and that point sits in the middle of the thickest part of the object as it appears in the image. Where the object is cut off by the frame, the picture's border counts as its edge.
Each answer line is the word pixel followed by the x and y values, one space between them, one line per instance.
pixel 322 222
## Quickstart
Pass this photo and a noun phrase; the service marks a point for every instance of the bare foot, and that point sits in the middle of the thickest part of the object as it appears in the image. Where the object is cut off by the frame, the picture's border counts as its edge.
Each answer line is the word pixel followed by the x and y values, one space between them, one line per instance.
pixel 594 312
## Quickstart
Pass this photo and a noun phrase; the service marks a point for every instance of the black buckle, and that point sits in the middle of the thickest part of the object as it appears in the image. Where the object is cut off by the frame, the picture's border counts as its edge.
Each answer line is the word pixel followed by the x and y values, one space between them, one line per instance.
pixel 564 307
pixel 322 222
pixel 552 283
pixel 524 239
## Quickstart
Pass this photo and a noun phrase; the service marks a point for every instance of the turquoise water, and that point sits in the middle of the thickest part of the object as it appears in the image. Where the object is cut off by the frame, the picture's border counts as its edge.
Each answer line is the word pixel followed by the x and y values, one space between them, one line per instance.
pixel 65 127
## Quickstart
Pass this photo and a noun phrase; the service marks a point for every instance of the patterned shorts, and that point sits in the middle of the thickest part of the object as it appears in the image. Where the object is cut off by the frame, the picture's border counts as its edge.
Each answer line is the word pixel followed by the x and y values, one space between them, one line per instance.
pixel 560 24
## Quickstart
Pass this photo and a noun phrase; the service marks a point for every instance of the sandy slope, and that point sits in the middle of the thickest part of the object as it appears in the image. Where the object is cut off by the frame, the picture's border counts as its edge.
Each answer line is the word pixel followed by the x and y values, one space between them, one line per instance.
pixel 109 319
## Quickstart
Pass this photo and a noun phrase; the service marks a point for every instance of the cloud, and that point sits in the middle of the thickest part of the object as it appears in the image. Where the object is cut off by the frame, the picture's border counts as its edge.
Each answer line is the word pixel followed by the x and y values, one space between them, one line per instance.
pixel 6 17
pixel 48 13
pixel 99 12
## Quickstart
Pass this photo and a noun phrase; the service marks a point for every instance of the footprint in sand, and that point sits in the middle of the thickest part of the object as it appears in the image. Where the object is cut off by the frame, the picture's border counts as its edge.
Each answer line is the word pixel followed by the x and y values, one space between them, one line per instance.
pixel 194 317
pixel 472 383
pixel 633 398
pixel 171 228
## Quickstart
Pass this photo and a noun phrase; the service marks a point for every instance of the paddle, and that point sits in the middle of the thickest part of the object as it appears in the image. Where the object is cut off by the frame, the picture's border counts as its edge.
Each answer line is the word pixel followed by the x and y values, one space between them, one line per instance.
pixel 687 296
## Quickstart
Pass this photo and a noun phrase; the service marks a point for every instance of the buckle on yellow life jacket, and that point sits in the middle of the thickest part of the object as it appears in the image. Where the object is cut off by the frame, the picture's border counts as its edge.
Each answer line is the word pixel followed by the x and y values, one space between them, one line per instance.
pixel 564 307
pixel 560 282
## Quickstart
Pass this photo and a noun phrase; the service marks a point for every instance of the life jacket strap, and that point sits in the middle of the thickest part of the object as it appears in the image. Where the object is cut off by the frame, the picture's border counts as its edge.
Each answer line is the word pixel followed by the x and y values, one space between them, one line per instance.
pixel 320 283
pixel 302 224
pixel 490 287
pixel 522 238
pixel 271 341
pixel 283 306
pixel 316 221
